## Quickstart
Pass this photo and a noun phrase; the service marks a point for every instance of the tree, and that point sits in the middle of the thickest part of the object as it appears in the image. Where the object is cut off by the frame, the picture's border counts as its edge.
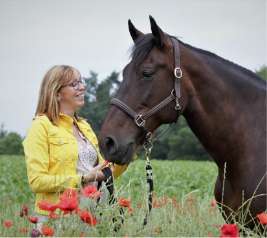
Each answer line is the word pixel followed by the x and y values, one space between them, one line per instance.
pixel 262 72
pixel 3 132
pixel 11 144
pixel 97 98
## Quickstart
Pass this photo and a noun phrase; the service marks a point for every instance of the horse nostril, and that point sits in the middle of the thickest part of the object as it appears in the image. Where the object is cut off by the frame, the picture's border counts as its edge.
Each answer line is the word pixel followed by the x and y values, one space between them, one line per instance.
pixel 111 145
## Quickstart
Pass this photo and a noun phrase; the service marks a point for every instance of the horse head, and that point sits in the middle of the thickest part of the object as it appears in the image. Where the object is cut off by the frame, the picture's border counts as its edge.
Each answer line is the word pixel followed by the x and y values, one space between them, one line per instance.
pixel 149 94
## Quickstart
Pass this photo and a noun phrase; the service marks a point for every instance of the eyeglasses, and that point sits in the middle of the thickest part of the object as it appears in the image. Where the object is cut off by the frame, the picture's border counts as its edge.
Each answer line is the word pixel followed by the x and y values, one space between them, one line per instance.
pixel 76 84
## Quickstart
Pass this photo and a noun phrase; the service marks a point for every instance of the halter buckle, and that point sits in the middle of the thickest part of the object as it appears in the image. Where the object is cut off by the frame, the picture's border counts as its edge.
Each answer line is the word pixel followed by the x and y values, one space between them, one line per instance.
pixel 139 121
pixel 178 73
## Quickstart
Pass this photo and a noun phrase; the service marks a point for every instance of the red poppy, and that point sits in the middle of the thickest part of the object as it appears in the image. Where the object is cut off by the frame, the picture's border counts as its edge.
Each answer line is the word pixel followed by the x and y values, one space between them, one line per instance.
pixel 24 211
pixel 53 215
pixel 47 206
pixel 88 218
pixel 213 203
pixel 130 210
pixel 82 234
pixel 229 230
pixel 33 219
pixel 8 223
pixel 91 191
pixel 210 234
pixel 262 218
pixel 47 231
pixel 123 202
pixel 68 201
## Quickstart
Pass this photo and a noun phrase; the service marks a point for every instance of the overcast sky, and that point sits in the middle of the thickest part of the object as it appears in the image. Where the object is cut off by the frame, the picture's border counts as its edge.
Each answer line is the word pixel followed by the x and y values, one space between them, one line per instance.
pixel 93 35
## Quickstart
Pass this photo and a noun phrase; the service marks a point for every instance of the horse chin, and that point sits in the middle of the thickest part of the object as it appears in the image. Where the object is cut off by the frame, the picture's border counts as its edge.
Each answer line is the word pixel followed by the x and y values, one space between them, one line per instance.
pixel 127 157
pixel 123 157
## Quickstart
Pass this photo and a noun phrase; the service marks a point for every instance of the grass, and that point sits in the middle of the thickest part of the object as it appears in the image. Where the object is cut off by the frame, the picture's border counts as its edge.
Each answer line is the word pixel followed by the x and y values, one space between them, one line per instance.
pixel 183 194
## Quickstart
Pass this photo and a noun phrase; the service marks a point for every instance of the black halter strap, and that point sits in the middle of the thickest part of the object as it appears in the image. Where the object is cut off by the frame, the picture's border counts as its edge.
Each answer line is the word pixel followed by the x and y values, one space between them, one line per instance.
pixel 175 94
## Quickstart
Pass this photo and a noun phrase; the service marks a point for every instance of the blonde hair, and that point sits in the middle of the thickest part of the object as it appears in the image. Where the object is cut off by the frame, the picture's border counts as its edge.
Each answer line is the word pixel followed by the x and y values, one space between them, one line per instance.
pixel 54 79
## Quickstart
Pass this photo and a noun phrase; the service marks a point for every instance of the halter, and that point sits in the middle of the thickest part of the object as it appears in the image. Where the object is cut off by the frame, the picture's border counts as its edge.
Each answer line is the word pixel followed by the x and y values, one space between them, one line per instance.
pixel 175 94
pixel 140 118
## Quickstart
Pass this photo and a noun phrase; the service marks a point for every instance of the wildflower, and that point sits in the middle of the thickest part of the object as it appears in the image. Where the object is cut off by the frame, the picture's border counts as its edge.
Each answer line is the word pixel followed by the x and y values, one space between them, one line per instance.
pixel 53 215
pixel 91 192
pixel 47 231
pixel 175 204
pixel 8 223
pixel 33 219
pixel 82 234
pixel 68 201
pixel 23 230
pixel 130 210
pixel 262 218
pixel 123 202
pixel 24 211
pixel 210 234
pixel 229 230
pixel 35 233
pixel 88 218
pixel 158 230
pixel 47 206
pixel 213 203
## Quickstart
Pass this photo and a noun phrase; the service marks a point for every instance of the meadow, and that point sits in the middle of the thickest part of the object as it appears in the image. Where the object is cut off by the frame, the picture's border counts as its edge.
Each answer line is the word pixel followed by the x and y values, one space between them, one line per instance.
pixel 182 202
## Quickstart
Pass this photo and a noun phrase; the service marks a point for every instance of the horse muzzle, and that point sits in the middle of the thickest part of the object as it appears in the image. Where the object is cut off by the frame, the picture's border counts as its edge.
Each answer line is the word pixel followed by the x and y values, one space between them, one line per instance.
pixel 117 152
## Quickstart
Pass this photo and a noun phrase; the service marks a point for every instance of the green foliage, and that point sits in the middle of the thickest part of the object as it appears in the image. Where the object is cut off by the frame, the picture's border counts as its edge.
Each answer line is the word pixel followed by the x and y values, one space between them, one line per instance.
pixel 183 194
pixel 3 132
pixel 187 183
pixel 10 143
pixel 262 72
pixel 14 183
pixel 97 98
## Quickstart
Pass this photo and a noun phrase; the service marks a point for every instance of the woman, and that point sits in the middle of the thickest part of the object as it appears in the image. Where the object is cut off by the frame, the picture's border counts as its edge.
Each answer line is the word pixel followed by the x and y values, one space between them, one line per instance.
pixel 61 149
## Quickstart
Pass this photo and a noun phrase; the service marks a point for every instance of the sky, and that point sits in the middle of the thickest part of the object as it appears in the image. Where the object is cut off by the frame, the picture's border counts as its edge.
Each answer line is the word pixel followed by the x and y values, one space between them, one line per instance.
pixel 93 35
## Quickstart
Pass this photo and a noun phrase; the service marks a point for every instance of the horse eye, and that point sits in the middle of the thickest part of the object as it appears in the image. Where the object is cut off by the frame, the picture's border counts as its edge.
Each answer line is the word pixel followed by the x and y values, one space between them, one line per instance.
pixel 147 75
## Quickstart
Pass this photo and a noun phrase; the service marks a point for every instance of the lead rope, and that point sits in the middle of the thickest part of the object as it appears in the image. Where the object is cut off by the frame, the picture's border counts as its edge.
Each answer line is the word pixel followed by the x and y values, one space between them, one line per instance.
pixel 148 145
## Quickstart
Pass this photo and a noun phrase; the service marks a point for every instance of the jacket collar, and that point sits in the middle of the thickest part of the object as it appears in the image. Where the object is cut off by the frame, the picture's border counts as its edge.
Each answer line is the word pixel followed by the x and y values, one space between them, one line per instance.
pixel 66 120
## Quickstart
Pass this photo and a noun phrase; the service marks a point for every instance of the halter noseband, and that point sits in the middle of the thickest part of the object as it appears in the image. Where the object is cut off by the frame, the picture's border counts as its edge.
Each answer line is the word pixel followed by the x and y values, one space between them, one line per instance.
pixel 140 118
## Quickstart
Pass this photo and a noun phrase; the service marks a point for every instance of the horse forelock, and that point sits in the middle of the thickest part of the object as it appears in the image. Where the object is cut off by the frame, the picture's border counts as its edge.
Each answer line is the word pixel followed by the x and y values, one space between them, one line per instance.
pixel 142 48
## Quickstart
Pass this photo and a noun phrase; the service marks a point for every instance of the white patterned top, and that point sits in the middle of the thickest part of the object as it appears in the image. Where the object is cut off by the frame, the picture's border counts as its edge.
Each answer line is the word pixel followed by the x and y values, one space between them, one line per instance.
pixel 87 155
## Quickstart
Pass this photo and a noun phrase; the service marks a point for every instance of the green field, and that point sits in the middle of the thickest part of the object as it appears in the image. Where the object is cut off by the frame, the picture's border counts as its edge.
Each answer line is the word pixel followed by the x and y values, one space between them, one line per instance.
pixel 183 190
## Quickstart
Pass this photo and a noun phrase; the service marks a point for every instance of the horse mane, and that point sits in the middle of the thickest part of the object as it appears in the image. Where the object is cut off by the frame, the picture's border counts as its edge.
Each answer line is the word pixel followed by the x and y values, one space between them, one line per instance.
pixel 144 45
pixel 224 61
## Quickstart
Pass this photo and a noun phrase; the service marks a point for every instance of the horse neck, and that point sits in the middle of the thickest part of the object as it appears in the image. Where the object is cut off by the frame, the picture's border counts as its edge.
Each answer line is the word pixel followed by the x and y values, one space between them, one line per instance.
pixel 219 97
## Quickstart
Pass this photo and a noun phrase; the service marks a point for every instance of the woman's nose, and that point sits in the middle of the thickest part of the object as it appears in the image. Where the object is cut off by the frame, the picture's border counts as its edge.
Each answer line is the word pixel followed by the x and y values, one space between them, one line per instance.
pixel 82 87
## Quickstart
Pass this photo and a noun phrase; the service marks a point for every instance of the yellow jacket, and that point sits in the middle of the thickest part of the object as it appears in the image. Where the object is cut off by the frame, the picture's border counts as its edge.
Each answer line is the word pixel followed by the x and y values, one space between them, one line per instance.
pixel 51 154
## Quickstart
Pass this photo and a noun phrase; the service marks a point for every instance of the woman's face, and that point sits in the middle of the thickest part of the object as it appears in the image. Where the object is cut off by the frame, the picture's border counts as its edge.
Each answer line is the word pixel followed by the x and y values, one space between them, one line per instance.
pixel 71 95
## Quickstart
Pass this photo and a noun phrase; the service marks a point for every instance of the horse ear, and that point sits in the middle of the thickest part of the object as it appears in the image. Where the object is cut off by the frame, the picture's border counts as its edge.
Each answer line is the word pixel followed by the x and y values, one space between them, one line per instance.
pixel 133 31
pixel 159 36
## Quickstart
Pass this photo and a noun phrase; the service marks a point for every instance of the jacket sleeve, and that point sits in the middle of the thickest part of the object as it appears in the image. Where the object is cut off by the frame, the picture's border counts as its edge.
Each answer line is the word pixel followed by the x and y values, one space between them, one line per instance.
pixel 37 161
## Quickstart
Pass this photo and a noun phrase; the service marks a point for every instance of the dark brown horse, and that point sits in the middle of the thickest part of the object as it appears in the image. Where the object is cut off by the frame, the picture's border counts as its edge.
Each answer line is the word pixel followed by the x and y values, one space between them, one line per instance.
pixel 223 103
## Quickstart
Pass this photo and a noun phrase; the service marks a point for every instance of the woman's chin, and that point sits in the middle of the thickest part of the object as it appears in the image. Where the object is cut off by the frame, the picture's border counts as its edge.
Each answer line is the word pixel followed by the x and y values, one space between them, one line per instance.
pixel 79 105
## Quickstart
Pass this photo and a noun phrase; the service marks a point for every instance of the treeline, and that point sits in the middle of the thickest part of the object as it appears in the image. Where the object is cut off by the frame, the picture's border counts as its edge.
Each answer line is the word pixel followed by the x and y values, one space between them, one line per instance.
pixel 171 141
pixel 10 142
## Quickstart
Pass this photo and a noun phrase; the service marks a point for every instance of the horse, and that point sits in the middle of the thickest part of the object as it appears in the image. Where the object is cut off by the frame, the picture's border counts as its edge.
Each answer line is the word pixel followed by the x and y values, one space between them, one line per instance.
pixel 223 103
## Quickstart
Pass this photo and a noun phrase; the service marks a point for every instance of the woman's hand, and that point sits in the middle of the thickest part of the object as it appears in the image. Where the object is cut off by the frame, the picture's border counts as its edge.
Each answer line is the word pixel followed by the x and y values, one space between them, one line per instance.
pixel 95 174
